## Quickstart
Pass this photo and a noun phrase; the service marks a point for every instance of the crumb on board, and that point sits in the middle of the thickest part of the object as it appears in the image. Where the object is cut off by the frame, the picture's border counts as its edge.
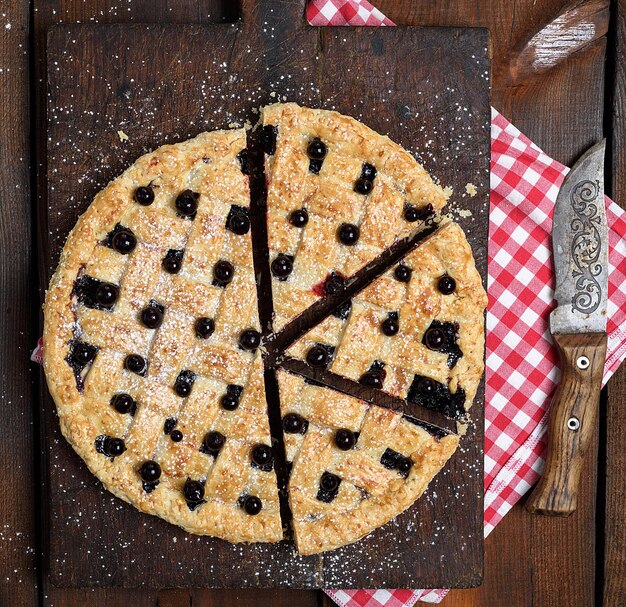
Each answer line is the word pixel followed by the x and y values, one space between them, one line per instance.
pixel 122 135
pixel 464 213
pixel 448 191
pixel 470 189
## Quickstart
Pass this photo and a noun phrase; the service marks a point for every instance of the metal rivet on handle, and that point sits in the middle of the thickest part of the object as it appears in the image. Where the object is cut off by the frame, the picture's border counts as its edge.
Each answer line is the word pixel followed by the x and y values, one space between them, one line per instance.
pixel 582 362
pixel 573 424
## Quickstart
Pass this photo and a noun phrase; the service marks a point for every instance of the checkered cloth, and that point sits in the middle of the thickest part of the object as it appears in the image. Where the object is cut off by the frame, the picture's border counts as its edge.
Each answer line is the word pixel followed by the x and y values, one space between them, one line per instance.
pixel 521 364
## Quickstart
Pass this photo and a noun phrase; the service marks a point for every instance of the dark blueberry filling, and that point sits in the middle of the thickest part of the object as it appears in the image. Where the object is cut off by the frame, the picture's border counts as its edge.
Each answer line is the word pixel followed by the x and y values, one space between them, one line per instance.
pixel 446 284
pixel 434 395
pixel 363 186
pixel 238 220
pixel 144 195
pixel 334 284
pixel 80 355
pixel 345 439
pixel 282 266
pixel 184 383
pixel 169 425
pixel 413 214
pixel 343 311
pixel 249 340
pixel 187 204
pixel 368 171
pixel 315 166
pixel 135 364
pixel 223 273
pixel 94 293
pixel 390 326
pixel 262 457
pixel 149 487
pixel 213 443
pixel 293 423
pixel 194 493
pixel 268 138
pixel 320 356
pixel 204 327
pixel 244 163
pixel 124 403
pixel 176 436
pixel 152 315
pixel 299 218
pixel 392 460
pixel 348 234
pixel 328 488
pixel 432 430
pixel 173 261
pixel 402 273
pixel 374 377
pixel 230 400
pixel 251 504
pixel 150 471
pixel 441 337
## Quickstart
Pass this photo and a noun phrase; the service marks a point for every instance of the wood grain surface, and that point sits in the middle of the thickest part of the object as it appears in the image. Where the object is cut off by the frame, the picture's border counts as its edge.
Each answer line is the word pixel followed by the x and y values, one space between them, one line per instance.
pixel 528 561
pixel 175 94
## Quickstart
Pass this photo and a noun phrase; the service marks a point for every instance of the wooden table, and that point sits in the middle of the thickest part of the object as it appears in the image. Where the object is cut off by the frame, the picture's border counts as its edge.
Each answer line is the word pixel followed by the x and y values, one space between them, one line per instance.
pixel 564 96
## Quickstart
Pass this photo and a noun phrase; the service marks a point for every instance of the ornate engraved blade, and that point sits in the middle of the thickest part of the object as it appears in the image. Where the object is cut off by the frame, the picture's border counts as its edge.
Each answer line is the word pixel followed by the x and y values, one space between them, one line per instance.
pixel 580 248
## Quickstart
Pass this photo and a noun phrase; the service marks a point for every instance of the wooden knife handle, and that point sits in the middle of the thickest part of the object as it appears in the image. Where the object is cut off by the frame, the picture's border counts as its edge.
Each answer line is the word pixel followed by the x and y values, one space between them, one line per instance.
pixel 573 416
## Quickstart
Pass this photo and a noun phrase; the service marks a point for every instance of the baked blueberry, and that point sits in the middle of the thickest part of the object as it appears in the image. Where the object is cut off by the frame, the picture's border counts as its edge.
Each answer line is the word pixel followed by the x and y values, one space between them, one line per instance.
pixel 123 403
pixel 169 425
pixel 412 213
pixel 344 439
pixel 446 284
pixel 106 294
pixel 204 327
pixel 151 317
pixel 238 220
pixel 318 357
pixel 282 266
pixel 425 386
pixel 187 203
pixel 262 456
pixel 368 171
pixel 390 326
pixel 223 272
pixel 144 195
pixel 316 149
pixel 334 284
pixel 193 491
pixel 250 339
pixel 150 471
pixel 176 436
pixel 329 482
pixel 404 464
pixel 114 446
pixel 229 402
pixel 372 379
pixel 172 261
pixel 299 218
pixel 363 186
pixel 244 161
pixel 124 242
pixel 213 442
pixel 184 383
pixel 135 364
pixel 434 338
pixel 252 505
pixel 402 273
pixel 82 353
pixel 293 423
pixel 348 233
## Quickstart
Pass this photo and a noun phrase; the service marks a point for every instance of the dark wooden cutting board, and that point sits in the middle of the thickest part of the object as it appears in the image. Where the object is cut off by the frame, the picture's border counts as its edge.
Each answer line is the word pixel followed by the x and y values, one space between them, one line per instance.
pixel 428 89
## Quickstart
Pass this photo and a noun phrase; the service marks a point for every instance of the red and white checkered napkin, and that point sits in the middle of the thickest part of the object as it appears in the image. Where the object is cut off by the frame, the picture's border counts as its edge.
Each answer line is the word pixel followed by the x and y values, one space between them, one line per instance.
pixel 521 364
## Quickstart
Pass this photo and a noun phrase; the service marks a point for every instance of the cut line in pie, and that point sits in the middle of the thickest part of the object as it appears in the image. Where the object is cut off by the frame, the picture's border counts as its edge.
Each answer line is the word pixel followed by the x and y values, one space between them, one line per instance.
pixel 153 350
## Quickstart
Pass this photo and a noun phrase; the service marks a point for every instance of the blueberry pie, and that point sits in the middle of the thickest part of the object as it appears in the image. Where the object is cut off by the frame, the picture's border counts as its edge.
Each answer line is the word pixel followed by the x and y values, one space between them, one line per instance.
pixel 355 467
pixel 157 363
pixel 150 320
pixel 427 324
pixel 338 195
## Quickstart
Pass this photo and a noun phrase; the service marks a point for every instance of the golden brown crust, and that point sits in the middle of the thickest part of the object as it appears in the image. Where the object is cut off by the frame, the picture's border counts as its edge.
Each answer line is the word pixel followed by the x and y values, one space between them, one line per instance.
pixel 359 342
pixel 370 493
pixel 207 165
pixel 330 199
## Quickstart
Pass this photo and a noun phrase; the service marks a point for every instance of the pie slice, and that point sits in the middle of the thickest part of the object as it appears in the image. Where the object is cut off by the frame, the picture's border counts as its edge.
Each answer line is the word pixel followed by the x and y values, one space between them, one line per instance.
pixel 354 466
pixel 338 195
pixel 416 332
pixel 151 335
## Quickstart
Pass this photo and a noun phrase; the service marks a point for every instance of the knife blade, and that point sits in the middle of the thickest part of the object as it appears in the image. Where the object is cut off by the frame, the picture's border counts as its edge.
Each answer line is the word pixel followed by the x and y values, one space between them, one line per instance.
pixel 578 326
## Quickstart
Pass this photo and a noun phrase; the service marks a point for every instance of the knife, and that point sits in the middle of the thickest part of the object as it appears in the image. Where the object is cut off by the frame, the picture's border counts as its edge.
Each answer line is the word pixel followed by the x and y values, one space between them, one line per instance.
pixel 578 326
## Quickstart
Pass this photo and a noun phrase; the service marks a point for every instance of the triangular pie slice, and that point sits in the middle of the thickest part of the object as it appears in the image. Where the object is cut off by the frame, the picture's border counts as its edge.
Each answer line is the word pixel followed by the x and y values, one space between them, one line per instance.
pixel 338 195
pixel 150 342
pixel 417 332
pixel 354 466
